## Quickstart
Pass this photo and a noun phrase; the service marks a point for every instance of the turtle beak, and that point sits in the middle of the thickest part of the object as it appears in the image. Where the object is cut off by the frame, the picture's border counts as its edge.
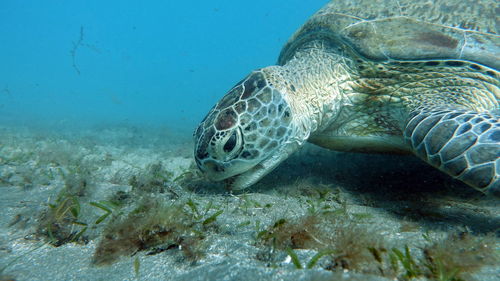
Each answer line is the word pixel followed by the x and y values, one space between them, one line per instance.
pixel 258 171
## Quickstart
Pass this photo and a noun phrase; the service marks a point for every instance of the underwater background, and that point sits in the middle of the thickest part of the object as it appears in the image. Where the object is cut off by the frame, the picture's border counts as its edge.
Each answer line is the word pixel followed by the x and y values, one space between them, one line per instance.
pixel 98 103
pixel 77 63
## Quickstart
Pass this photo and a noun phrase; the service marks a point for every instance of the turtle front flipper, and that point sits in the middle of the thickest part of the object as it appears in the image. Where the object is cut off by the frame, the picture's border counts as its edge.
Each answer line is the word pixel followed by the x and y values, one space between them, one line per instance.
pixel 464 144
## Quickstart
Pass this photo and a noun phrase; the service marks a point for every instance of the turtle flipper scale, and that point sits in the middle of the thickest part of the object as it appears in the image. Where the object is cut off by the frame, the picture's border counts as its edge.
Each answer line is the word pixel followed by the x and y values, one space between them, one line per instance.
pixel 462 143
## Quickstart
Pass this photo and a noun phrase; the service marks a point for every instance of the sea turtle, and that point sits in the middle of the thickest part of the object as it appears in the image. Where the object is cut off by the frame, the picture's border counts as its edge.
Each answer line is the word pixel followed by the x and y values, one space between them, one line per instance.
pixel 413 76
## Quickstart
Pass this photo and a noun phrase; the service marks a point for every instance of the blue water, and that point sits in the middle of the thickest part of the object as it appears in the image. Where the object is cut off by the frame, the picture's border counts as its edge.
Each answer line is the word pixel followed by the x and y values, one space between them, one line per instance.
pixel 140 62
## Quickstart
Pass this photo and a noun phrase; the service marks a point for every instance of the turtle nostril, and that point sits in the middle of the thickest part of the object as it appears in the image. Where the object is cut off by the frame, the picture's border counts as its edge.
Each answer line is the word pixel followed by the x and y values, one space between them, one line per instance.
pixel 201 155
pixel 201 151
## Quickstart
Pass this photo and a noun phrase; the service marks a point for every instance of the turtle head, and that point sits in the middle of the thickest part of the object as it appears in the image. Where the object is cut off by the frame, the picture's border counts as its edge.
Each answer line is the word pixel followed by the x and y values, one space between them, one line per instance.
pixel 246 134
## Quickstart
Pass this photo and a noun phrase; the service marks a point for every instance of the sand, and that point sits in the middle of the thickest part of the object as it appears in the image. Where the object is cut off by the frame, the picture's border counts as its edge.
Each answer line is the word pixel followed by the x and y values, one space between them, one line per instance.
pixel 315 200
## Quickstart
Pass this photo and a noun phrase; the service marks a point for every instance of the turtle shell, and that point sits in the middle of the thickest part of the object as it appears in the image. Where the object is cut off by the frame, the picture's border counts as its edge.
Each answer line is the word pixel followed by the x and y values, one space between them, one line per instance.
pixel 407 29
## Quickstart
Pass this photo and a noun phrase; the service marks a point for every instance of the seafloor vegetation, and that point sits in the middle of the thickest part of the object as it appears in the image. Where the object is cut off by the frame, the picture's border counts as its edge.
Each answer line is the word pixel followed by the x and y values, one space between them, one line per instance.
pixel 130 196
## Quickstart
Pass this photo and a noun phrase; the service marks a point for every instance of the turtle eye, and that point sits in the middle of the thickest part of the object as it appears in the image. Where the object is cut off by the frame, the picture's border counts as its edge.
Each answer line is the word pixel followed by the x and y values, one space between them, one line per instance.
pixel 230 143
pixel 233 145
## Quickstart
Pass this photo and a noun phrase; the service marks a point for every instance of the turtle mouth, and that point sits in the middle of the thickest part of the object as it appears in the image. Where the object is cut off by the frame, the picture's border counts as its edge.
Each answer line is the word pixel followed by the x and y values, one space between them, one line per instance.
pixel 247 178
pixel 239 174
pixel 257 171
pixel 222 171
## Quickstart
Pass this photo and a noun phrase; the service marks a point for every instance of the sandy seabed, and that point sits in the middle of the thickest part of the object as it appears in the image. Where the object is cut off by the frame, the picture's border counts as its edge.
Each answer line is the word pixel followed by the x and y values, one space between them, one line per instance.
pixel 127 203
